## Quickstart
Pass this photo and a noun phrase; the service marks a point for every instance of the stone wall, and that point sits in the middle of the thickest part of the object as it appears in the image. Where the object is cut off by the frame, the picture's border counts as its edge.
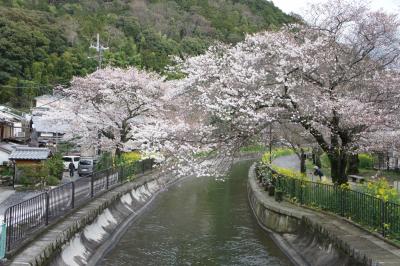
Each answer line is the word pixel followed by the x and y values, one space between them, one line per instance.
pixel 316 238
pixel 82 237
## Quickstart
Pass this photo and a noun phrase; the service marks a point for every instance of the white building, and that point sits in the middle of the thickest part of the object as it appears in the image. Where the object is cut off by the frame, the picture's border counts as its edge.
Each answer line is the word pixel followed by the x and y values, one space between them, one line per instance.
pixel 14 125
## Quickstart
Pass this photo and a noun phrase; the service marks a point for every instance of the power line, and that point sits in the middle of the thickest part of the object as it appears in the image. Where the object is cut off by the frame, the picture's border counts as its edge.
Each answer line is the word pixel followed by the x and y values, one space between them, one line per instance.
pixel 31 86
pixel 59 99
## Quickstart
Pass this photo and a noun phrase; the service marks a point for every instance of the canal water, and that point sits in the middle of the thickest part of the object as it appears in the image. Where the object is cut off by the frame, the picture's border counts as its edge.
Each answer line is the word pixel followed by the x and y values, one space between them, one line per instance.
pixel 199 221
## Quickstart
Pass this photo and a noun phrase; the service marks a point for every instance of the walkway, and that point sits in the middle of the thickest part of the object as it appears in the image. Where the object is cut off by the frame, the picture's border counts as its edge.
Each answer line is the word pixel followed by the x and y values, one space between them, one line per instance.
pixel 292 162
pixel 10 197
pixel 359 242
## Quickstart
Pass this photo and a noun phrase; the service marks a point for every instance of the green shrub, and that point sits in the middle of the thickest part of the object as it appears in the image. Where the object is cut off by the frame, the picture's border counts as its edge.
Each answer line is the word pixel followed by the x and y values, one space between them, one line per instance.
pixel 382 190
pixel 365 161
pixel 25 181
pixel 54 166
pixel 31 175
pixel 52 181
pixel 105 161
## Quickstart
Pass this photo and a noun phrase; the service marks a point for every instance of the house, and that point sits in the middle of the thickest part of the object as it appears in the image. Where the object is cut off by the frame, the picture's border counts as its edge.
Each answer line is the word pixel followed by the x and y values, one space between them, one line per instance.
pixel 6 129
pixel 14 125
pixel 47 130
pixel 23 157
pixel 6 149
pixel 28 155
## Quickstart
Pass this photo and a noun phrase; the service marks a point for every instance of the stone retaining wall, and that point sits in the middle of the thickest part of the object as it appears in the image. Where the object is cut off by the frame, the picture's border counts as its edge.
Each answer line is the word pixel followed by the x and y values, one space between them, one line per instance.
pixel 315 238
pixel 93 228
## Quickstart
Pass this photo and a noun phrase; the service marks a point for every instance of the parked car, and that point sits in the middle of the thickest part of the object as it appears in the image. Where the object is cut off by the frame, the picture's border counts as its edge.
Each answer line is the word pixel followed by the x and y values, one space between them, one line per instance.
pixel 86 166
pixel 71 158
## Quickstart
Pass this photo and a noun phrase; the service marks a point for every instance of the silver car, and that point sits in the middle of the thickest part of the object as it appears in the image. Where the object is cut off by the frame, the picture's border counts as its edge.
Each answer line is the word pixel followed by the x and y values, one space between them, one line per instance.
pixel 86 166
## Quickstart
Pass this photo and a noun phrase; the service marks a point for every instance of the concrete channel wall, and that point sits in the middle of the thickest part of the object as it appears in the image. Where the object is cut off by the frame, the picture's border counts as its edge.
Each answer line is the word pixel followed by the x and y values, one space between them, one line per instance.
pixel 316 238
pixel 83 237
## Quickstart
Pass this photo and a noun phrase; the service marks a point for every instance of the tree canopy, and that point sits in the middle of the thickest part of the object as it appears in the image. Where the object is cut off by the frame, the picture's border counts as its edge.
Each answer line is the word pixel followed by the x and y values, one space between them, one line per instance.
pixel 45 43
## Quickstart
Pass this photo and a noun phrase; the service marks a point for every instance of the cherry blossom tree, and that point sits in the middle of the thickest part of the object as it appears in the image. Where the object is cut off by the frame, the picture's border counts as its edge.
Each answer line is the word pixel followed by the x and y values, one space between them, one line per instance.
pixel 335 75
pixel 115 109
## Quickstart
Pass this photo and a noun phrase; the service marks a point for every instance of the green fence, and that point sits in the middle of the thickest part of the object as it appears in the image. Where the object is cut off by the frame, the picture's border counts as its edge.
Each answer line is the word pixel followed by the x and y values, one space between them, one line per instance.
pixel 3 235
pixel 371 212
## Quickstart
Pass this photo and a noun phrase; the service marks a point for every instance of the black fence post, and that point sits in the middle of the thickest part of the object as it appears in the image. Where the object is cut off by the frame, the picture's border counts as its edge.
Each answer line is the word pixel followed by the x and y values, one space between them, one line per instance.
pixel 10 229
pixel 383 217
pixel 91 185
pixel 341 190
pixel 47 208
pixel 301 192
pixel 73 195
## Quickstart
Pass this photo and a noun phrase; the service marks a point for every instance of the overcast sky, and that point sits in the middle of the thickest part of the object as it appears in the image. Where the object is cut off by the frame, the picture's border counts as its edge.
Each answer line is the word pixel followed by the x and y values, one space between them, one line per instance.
pixel 297 6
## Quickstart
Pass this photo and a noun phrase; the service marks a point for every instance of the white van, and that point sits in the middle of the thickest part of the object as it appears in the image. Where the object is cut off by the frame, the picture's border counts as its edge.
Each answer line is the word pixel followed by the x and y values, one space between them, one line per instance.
pixel 72 158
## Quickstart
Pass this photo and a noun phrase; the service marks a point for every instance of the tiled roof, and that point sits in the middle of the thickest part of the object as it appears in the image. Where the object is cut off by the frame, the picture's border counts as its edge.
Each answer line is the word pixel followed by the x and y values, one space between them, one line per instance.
pixel 29 153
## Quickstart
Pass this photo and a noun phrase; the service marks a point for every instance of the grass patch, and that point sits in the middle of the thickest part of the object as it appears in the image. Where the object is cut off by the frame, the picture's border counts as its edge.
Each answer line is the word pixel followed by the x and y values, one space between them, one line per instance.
pixel 253 148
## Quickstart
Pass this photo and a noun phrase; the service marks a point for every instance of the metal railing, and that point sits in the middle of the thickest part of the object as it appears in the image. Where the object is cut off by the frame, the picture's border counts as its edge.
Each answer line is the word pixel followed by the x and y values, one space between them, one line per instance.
pixel 371 212
pixel 25 218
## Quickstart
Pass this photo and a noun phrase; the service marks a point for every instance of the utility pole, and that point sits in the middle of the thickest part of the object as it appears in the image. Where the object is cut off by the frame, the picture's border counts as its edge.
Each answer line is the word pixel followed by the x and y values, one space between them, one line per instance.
pixel 99 49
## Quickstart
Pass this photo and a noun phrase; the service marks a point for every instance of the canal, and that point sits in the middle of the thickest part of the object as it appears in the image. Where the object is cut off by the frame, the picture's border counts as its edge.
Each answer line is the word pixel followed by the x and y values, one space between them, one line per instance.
pixel 199 221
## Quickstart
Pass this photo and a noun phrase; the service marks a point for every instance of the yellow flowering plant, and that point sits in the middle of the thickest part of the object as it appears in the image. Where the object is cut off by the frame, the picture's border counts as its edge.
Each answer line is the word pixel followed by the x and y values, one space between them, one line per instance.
pixel 382 190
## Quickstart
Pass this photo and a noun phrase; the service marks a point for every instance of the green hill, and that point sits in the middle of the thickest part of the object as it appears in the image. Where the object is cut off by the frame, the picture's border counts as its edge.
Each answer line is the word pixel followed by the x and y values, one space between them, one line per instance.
pixel 45 43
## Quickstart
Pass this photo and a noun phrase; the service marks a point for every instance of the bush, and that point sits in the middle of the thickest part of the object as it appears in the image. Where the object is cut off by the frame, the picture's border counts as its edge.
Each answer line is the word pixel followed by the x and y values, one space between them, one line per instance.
pixel 52 181
pixel 54 166
pixel 105 161
pixel 382 190
pixel 31 175
pixel 365 161
pixel 25 181
pixel 289 173
pixel 6 171
pixel 132 156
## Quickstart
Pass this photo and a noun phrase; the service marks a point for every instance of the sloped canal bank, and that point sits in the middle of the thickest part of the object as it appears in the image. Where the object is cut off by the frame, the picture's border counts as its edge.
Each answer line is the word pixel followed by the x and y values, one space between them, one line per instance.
pixel 199 221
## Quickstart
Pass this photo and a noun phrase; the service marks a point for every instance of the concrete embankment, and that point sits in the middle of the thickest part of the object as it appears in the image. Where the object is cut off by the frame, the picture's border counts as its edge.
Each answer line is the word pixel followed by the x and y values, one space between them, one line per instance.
pixel 314 238
pixel 81 238
pixel 84 236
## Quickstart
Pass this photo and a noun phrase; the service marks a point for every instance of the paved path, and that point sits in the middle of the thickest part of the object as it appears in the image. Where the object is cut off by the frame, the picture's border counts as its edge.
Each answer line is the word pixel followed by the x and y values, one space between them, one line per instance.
pixel 289 161
pixel 10 197
pixel 5 192
pixel 293 162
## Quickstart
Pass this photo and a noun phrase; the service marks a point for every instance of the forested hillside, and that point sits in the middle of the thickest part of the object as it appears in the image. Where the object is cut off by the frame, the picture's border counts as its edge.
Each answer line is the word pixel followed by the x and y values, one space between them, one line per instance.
pixel 45 43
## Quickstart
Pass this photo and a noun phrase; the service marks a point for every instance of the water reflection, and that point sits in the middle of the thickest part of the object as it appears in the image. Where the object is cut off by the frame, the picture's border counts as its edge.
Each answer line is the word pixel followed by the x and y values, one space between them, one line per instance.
pixel 201 221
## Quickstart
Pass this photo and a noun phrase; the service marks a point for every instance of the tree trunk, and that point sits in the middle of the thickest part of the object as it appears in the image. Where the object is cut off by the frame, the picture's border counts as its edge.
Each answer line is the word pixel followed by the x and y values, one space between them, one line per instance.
pixel 338 160
pixel 302 161
pixel 353 162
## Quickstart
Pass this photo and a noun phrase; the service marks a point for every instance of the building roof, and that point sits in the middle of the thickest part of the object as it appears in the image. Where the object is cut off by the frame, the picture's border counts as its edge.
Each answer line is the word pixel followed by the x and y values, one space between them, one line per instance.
pixel 10 115
pixel 9 146
pixel 29 153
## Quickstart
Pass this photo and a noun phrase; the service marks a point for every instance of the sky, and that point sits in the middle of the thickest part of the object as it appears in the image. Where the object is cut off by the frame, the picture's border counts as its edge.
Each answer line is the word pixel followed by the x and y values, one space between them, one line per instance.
pixel 296 6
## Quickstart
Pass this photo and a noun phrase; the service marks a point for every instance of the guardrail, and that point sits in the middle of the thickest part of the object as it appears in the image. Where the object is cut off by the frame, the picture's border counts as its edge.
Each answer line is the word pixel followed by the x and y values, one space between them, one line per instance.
pixel 371 212
pixel 27 217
